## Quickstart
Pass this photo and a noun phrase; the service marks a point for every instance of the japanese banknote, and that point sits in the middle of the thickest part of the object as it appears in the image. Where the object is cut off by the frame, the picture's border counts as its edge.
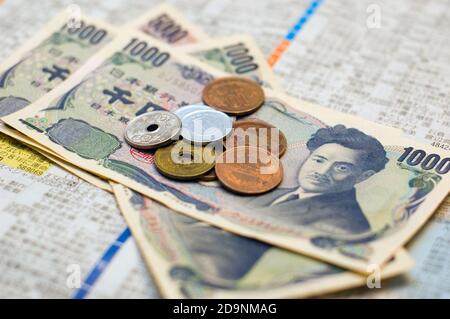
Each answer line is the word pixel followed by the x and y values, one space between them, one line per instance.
pixel 191 259
pixel 49 58
pixel 168 25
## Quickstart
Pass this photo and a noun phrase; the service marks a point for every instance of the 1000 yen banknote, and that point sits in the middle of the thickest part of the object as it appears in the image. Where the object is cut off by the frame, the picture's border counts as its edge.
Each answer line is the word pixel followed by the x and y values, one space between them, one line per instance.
pixel 191 259
pixel 357 190
pixel 168 26
pixel 238 54
pixel 49 58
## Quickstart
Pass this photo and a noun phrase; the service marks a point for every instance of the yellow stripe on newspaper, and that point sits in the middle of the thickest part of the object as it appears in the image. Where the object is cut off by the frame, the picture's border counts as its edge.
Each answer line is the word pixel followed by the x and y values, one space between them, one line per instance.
pixel 16 155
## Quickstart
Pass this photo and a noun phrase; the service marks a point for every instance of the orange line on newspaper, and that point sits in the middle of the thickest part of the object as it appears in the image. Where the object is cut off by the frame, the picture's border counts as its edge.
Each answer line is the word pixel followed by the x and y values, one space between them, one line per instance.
pixel 278 52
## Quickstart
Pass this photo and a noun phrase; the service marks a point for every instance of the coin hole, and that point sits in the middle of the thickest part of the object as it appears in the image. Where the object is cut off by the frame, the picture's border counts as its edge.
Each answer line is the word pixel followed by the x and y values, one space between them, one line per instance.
pixel 152 127
pixel 186 157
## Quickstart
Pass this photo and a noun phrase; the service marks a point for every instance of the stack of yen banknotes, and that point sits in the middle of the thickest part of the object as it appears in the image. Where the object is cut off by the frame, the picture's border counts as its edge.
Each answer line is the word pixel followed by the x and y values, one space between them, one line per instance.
pixel 353 192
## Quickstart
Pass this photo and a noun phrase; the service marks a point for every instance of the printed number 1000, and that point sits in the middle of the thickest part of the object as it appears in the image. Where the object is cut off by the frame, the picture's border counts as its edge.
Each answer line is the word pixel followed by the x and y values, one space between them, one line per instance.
pixel 427 162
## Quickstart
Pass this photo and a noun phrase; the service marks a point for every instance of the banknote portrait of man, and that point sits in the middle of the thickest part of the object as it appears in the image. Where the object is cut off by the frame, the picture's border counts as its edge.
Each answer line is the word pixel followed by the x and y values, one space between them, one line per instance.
pixel 325 198
pixel 221 258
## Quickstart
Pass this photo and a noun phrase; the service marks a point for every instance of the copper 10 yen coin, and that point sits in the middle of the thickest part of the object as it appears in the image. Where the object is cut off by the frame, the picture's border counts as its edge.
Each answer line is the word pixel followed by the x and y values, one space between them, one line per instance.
pixel 209 177
pixel 249 170
pixel 234 95
pixel 257 133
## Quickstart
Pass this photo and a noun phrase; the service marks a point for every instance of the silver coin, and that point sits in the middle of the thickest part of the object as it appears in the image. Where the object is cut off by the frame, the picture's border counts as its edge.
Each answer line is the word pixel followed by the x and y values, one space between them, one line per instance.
pixel 206 126
pixel 153 129
pixel 185 110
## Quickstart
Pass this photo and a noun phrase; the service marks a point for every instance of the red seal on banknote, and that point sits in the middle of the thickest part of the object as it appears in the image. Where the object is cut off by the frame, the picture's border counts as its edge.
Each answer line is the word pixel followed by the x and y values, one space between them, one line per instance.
pixel 142 156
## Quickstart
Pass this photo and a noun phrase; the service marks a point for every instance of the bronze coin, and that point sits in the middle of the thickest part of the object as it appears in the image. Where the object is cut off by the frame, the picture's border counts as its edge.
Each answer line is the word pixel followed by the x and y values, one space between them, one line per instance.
pixel 209 177
pixel 234 95
pixel 257 133
pixel 249 170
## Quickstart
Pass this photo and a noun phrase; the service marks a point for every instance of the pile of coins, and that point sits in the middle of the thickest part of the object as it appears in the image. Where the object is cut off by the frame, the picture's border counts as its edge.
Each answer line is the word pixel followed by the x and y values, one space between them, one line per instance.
pixel 202 142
